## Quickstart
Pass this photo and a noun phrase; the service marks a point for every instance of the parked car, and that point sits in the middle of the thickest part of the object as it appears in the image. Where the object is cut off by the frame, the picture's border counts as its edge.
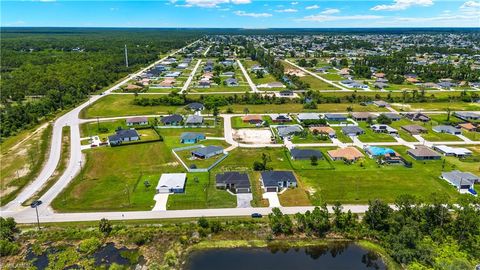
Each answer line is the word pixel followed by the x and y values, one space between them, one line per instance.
pixel 257 215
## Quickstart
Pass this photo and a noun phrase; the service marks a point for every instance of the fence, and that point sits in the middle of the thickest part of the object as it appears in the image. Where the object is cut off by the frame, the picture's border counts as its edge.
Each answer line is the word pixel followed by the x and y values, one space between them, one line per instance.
pixel 174 151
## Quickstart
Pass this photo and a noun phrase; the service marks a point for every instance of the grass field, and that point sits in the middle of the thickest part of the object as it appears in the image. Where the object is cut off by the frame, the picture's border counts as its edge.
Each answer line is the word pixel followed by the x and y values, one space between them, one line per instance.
pixel 371 136
pixel 340 136
pixel 439 106
pixel 22 162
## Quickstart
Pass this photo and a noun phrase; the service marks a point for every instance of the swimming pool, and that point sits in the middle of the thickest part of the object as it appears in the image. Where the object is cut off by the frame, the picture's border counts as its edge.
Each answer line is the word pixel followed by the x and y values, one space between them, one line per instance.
pixel 379 151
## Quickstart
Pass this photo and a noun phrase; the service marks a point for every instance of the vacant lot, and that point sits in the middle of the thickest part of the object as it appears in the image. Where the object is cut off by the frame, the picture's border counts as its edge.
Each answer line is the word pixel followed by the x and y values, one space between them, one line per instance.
pixel 252 136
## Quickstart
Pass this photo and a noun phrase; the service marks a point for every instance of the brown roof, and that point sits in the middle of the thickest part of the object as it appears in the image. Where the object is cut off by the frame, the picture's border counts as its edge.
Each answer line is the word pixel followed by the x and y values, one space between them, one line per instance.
pixel 325 130
pixel 467 126
pixel 252 117
pixel 414 129
pixel 349 153
pixel 423 151
pixel 412 80
pixel 133 87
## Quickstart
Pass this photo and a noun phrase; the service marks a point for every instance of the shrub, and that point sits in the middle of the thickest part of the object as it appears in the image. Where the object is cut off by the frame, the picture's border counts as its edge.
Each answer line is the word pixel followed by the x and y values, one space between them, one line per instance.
pixel 203 222
pixel 8 248
pixel 90 245
pixel 104 226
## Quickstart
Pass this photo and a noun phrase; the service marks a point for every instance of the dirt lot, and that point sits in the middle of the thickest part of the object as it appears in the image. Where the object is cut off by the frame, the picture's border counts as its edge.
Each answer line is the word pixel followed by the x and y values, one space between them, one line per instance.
pixel 253 135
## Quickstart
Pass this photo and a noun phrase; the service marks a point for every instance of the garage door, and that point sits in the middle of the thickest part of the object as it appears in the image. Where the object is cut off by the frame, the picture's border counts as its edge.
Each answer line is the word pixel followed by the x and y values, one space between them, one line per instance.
pixel 272 189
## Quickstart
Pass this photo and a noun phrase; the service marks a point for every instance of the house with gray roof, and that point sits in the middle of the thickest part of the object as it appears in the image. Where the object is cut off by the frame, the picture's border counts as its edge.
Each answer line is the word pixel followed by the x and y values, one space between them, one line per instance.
pixel 236 182
pixel 414 129
pixel 352 130
pixel 195 106
pixel 274 181
pixel 286 131
pixel 452 151
pixel 335 117
pixel 191 137
pixel 380 103
pixel 363 116
pixel 194 120
pixel 392 116
pixel 123 135
pixel 172 120
pixel 467 116
pixel 447 129
pixel 381 128
pixel 462 181
pixel 207 152
pixel 231 82
pixel 308 116
pixel 305 154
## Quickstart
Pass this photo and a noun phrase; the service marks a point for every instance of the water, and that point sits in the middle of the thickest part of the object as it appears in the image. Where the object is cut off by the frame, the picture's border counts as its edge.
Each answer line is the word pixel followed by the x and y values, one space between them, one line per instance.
pixel 331 257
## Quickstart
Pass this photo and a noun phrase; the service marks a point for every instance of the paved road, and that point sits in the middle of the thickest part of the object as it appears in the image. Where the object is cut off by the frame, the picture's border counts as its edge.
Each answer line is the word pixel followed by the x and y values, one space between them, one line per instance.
pixel 190 77
pixel 76 158
pixel 249 80
pixel 318 77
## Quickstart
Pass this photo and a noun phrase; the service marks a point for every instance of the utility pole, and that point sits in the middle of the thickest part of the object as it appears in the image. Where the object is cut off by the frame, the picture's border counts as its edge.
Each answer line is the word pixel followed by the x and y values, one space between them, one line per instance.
pixel 38 219
pixel 126 56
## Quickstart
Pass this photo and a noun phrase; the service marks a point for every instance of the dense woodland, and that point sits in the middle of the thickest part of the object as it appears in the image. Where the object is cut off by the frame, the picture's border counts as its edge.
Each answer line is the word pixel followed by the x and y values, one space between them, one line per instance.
pixel 46 70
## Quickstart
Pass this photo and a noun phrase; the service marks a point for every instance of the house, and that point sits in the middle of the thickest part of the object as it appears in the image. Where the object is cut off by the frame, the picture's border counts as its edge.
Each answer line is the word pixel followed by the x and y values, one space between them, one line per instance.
pixel 446 85
pixel 137 121
pixel 252 119
pixel 308 116
pixel 381 128
pixel 392 116
pixel 195 106
pixel 167 82
pixel 380 85
pixel 194 120
pixel 286 93
pixel 204 84
pixel 335 117
pixel 468 126
pixel 447 129
pixel 348 154
pixel 182 66
pixel 452 151
pixel 231 82
pixel 280 118
pixel 123 135
pixel 171 183
pixel 467 116
pixel 380 103
pixel 352 130
pixel 274 181
pixel 417 117
pixel 423 153
pixel 207 152
pixel 174 74
pixel 414 129
pixel 234 181
pixel 303 154
pixel 191 137
pixel 172 120
pixel 324 130
pixel 287 131
pixel 462 181
pixel 228 74
pixel 363 116
pixel 271 85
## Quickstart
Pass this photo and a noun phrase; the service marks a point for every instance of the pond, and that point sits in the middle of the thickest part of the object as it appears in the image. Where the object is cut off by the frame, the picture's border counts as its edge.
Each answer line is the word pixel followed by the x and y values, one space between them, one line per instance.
pixel 331 257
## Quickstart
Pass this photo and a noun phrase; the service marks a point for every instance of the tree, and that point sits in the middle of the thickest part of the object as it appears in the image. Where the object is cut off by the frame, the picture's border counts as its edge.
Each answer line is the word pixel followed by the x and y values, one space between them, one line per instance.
pixel 314 160
pixel 280 223
pixel 202 222
pixel 377 217
pixel 147 184
pixel 383 119
pixel 104 226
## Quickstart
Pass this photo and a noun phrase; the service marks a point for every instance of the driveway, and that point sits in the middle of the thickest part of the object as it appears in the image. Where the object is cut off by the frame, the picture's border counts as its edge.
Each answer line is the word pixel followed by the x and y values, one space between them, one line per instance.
pixel 161 202
pixel 272 198
pixel 243 200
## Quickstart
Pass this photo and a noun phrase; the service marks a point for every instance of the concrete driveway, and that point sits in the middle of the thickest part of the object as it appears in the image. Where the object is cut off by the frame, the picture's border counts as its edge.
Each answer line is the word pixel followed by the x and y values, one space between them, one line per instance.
pixel 243 200
pixel 161 202
pixel 272 198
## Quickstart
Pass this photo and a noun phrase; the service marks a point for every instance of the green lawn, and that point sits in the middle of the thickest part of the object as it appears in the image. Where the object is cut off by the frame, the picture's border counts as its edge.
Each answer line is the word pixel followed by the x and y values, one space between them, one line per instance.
pixel 317 84
pixel 439 106
pixel 310 138
pixel 332 76
pixel 437 137
pixel 371 136
pixel 402 133
pixel 200 192
pixel 113 175
pixel 237 122
pixel 186 156
pixel 340 136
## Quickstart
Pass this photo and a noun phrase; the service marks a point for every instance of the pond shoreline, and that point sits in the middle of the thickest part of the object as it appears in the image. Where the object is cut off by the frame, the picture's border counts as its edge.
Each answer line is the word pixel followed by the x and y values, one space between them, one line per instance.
pixel 289 243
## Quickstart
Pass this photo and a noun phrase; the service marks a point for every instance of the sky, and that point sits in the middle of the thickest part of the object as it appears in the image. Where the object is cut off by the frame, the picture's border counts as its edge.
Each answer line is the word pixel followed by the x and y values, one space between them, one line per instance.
pixel 241 13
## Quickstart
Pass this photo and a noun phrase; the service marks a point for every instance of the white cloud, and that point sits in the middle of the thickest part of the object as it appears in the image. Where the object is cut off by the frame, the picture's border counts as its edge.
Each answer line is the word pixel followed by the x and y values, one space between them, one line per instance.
pixel 185 6
pixel 470 4
pixel 294 3
pixel 212 3
pixel 402 5
pixel 330 11
pixel 251 14
pixel 328 18
pixel 114 9
pixel 313 7
pixel 287 10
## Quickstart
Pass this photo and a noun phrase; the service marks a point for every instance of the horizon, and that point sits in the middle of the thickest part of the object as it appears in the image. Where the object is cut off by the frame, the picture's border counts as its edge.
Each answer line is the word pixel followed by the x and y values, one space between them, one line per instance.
pixel 245 14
